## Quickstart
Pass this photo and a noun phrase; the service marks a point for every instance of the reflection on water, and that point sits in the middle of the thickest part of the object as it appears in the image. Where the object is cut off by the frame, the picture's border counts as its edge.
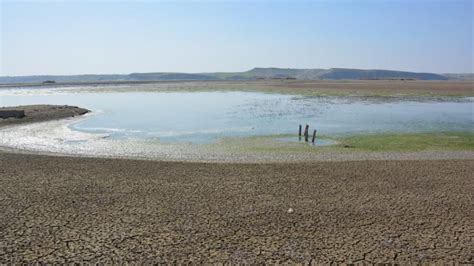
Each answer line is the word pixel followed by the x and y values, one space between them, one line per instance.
pixel 203 117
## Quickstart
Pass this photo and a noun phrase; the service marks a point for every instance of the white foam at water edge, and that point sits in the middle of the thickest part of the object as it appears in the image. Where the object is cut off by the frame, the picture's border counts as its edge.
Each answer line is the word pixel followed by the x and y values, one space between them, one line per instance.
pixel 44 136
pixel 107 129
pixel 37 91
pixel 200 131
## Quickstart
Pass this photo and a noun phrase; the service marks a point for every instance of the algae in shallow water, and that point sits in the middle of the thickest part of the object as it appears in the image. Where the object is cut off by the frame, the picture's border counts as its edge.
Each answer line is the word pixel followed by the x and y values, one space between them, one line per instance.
pixel 408 142
pixel 411 141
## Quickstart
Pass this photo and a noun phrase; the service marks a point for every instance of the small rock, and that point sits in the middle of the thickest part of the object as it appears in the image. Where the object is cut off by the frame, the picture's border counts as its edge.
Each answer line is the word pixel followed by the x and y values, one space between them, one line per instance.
pixel 290 210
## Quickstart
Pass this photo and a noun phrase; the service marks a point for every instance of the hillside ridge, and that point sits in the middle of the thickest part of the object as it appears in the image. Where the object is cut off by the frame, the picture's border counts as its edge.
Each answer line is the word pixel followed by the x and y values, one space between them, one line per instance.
pixel 252 74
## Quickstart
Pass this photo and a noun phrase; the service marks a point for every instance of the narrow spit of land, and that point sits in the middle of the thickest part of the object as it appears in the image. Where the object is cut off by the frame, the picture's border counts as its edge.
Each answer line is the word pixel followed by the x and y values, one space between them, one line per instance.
pixel 62 209
pixel 40 113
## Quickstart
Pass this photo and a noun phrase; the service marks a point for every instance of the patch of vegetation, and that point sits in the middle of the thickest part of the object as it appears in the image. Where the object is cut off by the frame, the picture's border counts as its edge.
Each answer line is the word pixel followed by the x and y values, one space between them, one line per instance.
pixel 399 142
pixel 410 141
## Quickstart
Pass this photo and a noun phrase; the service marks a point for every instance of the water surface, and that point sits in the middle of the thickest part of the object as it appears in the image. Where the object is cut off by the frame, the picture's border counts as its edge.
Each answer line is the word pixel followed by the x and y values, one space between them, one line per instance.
pixel 202 117
pixel 206 117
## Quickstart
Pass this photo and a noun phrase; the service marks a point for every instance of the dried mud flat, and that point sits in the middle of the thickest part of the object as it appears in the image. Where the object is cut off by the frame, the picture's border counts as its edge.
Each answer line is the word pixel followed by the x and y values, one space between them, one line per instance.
pixel 64 209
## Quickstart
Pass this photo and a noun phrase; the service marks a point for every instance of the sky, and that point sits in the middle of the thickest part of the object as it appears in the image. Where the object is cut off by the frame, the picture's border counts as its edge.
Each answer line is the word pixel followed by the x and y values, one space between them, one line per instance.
pixel 103 37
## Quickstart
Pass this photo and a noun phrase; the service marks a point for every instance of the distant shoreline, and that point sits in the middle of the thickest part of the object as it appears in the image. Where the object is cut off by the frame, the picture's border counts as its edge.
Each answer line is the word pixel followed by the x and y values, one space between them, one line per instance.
pixel 303 87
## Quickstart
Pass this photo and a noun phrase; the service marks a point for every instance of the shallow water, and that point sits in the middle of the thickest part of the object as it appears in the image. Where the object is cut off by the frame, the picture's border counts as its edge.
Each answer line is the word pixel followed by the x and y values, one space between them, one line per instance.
pixel 203 117
pixel 153 124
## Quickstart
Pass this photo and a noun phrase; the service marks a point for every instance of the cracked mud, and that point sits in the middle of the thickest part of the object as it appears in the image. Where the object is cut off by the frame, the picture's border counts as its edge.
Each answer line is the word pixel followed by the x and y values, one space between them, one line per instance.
pixel 62 209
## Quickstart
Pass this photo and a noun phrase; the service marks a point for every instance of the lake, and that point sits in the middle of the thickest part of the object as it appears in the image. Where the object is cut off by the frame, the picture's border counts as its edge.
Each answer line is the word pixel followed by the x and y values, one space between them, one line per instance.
pixel 205 117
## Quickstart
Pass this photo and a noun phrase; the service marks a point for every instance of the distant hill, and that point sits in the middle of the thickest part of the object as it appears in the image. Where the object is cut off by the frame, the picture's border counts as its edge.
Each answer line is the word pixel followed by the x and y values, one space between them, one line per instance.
pixel 342 73
pixel 166 76
pixel 253 74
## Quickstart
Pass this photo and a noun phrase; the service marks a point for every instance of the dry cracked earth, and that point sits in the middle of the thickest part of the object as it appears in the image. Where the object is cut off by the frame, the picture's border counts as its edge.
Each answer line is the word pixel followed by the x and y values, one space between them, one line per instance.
pixel 60 209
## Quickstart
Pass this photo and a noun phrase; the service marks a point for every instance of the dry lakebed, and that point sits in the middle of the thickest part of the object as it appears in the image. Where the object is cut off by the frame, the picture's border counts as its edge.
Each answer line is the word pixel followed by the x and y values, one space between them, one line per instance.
pixel 403 197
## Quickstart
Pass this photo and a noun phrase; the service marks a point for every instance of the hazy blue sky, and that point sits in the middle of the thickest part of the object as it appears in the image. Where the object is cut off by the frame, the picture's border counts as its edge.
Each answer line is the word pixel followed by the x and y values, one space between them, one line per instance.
pixel 59 37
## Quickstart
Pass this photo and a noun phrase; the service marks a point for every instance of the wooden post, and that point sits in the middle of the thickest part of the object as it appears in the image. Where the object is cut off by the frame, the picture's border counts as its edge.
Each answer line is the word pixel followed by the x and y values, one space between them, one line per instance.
pixel 314 136
pixel 306 133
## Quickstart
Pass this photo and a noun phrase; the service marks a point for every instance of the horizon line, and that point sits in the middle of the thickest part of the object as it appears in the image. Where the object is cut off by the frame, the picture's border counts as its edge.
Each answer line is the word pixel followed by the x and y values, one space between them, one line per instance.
pixel 210 72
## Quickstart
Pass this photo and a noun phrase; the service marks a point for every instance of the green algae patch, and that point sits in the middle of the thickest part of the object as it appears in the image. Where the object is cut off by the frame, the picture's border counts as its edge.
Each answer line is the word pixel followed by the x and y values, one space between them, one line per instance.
pixel 398 142
pixel 274 144
pixel 409 141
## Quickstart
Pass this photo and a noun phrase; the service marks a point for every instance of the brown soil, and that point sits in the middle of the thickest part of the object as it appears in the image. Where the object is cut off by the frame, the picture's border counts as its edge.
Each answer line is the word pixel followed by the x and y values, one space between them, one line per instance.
pixel 62 209
pixel 38 113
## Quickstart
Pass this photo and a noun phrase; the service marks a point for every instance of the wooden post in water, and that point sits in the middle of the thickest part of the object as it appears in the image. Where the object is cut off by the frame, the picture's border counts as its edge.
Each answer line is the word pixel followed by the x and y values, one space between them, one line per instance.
pixel 306 133
pixel 314 136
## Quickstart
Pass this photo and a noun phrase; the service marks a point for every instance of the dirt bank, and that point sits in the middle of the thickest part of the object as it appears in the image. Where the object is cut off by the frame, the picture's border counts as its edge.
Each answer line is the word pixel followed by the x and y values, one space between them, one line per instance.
pixel 38 113
pixel 59 209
